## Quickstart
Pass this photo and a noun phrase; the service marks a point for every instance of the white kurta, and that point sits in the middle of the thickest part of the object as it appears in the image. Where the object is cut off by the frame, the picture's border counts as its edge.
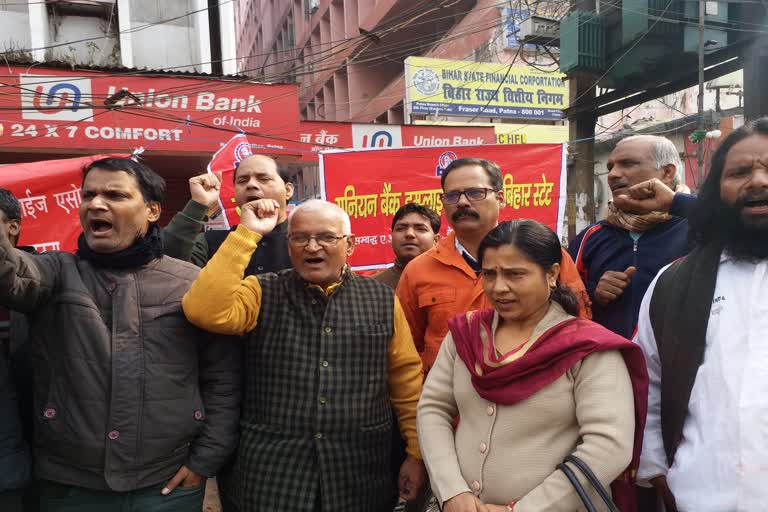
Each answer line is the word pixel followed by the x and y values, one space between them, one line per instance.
pixel 722 463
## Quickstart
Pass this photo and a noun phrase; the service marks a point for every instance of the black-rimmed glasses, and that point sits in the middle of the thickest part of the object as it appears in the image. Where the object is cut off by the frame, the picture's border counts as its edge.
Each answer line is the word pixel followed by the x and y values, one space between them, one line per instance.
pixel 472 194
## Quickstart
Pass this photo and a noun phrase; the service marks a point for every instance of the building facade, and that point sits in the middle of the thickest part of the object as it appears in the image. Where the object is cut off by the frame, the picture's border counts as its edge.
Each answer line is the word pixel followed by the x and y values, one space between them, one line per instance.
pixel 347 55
pixel 177 35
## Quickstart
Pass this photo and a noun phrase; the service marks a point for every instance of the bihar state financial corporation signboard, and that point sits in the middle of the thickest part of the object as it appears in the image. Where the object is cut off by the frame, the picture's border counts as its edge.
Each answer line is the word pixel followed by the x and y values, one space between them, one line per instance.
pixel 63 109
pixel 465 88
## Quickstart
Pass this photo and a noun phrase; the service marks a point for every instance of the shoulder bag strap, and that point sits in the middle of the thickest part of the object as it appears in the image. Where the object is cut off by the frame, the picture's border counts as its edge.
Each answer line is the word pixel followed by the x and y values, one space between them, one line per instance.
pixel 578 487
pixel 594 481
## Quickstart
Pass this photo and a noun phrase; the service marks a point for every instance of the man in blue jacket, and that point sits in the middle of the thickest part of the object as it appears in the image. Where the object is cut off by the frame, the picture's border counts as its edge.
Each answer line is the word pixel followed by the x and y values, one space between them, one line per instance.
pixel 618 257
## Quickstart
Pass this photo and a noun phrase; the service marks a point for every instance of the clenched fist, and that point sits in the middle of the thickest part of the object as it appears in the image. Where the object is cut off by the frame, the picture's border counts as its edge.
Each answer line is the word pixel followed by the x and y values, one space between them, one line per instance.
pixel 205 188
pixel 646 197
pixel 260 216
pixel 613 284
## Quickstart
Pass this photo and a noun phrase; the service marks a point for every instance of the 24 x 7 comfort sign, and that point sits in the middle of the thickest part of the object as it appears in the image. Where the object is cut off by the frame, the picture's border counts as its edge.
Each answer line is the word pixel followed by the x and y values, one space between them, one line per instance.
pixel 52 108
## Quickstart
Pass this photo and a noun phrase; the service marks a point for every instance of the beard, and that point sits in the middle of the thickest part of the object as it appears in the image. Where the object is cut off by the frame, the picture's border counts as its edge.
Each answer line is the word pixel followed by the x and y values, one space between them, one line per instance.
pixel 743 240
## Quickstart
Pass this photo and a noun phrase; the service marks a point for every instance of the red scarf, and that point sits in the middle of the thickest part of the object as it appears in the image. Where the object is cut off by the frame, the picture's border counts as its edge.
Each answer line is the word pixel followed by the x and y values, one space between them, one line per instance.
pixel 545 361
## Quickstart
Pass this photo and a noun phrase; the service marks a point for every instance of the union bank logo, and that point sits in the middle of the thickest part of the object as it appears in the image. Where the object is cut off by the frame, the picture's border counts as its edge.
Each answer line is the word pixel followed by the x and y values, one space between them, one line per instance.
pixel 376 136
pixel 55 98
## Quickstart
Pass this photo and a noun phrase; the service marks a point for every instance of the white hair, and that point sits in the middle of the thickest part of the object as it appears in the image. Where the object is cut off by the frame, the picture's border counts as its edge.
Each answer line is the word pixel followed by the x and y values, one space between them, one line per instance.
pixel 663 152
pixel 317 205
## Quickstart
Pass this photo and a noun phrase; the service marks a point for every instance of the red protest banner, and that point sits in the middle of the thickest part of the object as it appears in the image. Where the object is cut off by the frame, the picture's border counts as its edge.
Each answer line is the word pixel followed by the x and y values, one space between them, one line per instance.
pixel 370 185
pixel 49 194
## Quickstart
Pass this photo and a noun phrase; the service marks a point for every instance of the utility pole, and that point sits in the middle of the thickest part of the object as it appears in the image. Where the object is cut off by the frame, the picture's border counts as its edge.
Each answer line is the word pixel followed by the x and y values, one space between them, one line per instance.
pixel 700 149
pixel 581 176
pixel 755 66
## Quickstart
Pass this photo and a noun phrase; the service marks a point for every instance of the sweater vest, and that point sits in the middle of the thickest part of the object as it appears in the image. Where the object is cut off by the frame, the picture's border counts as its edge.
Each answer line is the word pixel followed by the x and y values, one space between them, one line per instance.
pixel 316 409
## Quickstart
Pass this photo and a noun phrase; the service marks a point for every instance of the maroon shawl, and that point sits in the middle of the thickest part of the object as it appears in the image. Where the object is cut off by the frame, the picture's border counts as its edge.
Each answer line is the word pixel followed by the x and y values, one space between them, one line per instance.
pixel 546 360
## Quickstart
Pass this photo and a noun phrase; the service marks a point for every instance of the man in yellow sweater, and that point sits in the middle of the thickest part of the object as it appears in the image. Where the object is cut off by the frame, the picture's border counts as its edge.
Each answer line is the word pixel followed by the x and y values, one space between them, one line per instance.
pixel 328 355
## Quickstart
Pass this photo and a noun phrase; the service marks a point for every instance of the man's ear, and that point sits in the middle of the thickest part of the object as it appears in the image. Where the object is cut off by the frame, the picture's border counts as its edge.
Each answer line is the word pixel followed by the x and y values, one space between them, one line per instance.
pixel 668 175
pixel 350 241
pixel 14 229
pixel 500 198
pixel 289 190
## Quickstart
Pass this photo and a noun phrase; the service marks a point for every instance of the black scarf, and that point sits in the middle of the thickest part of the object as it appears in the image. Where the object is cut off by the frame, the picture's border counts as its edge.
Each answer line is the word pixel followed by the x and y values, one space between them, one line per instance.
pixel 143 250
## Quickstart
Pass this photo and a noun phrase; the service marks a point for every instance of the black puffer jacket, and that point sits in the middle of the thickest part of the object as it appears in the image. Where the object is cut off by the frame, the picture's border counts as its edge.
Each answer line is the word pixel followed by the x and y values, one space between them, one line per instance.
pixel 126 390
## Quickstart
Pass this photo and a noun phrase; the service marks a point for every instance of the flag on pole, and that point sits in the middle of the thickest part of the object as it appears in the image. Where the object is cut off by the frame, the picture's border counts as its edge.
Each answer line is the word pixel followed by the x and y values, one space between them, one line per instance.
pixel 223 164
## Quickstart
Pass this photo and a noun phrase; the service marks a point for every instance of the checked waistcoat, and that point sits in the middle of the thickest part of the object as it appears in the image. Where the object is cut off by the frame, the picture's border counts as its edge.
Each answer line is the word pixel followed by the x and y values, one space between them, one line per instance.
pixel 316 410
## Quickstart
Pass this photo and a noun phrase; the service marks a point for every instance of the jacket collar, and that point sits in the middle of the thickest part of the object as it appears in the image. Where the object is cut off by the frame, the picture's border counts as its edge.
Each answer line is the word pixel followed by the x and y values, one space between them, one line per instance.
pixel 446 253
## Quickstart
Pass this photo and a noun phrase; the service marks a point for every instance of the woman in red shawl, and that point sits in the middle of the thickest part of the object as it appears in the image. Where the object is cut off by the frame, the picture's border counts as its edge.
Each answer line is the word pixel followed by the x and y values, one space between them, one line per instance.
pixel 531 384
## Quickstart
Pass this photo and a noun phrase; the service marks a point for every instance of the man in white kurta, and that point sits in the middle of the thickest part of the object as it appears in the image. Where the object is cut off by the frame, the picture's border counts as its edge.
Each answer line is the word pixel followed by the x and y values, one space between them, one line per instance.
pixel 719 462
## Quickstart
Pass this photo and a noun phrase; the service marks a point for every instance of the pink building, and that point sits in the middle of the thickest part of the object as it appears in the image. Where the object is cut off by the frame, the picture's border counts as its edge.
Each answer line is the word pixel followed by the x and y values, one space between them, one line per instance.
pixel 347 55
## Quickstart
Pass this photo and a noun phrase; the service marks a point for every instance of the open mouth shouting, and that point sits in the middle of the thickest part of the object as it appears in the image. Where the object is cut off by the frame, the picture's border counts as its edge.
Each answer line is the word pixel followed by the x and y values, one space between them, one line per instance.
pixel 314 261
pixel 756 207
pixel 100 228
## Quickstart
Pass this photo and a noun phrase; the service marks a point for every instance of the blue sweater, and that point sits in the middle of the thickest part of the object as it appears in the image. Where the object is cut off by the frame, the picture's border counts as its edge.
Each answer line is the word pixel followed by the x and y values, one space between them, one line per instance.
pixel 602 247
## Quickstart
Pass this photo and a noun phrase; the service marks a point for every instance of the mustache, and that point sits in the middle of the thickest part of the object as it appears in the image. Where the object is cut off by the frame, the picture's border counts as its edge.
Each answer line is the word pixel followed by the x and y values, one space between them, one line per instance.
pixel 465 212
pixel 618 184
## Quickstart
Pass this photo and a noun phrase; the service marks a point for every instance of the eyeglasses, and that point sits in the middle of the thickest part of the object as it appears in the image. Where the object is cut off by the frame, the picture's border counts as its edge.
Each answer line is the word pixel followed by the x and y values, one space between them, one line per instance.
pixel 325 239
pixel 472 194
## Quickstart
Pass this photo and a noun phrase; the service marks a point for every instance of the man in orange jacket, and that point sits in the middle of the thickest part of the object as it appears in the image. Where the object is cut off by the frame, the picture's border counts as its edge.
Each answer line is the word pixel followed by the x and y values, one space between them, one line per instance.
pixel 444 281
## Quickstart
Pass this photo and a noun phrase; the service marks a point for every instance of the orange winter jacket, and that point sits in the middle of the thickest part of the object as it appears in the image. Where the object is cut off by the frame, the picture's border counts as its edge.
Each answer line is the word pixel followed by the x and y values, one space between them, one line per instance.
pixel 440 284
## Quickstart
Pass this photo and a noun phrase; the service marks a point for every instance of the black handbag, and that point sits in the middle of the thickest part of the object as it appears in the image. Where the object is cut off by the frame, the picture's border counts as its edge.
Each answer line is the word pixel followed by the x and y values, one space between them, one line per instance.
pixel 592 480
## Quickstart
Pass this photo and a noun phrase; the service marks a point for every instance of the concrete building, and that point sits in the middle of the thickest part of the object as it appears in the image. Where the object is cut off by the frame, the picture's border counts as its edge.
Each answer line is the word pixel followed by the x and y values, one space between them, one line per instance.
pixel 348 55
pixel 178 35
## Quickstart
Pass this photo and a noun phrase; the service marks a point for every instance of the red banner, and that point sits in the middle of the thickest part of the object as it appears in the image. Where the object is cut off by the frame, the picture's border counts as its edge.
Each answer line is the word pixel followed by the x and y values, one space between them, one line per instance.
pixel 371 185
pixel 55 108
pixel 49 194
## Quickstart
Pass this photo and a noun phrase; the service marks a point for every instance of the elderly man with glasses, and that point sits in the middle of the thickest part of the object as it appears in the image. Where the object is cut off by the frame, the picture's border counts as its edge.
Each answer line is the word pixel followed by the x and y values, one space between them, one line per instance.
pixel 443 282
pixel 328 356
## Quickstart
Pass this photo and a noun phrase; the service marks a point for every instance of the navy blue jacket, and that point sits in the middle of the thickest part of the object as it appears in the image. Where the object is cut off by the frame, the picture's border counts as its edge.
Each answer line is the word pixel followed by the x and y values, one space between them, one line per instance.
pixel 602 247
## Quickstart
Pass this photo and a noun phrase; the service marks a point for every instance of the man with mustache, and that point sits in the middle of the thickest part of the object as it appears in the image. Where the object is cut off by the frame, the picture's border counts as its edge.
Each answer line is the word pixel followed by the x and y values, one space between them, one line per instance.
pixel 256 177
pixel 444 281
pixel 134 406
pixel 619 256
pixel 702 327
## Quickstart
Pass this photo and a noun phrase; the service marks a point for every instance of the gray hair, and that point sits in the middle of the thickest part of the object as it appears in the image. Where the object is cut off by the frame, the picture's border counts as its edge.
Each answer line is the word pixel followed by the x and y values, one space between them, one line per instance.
pixel 317 205
pixel 663 152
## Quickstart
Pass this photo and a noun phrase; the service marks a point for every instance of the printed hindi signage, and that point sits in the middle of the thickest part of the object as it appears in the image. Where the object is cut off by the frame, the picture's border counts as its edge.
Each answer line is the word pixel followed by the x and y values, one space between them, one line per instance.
pixel 55 108
pixel 464 88
pixel 49 195
pixel 370 185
